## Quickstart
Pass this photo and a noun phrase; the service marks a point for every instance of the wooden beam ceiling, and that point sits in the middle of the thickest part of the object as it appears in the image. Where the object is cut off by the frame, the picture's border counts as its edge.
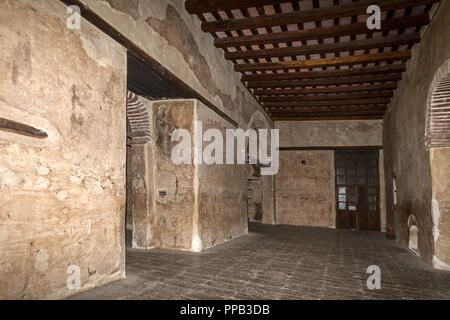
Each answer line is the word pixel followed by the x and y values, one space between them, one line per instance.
pixel 307 60
pixel 295 17
pixel 320 33
pixel 408 39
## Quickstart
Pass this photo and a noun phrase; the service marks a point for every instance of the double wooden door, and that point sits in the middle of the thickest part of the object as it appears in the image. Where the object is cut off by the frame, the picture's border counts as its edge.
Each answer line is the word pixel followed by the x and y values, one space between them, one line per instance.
pixel 357 189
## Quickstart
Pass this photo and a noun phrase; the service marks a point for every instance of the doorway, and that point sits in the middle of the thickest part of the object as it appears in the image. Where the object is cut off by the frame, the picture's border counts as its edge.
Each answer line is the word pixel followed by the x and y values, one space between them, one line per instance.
pixel 357 189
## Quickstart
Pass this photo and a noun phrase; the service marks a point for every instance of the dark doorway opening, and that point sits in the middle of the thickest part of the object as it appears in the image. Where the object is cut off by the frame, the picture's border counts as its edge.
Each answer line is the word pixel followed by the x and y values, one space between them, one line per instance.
pixel 142 82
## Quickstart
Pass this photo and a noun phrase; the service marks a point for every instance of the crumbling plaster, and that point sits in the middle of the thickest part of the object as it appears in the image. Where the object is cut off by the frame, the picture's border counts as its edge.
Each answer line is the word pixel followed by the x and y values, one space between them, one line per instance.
pixel 62 198
pixel 419 172
pixel 173 37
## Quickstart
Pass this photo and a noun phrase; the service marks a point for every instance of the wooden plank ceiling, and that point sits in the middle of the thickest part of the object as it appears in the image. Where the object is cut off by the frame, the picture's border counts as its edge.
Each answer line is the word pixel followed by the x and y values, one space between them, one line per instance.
pixel 316 59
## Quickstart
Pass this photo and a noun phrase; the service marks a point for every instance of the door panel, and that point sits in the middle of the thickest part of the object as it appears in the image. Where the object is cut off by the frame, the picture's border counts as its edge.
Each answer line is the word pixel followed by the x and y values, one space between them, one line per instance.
pixel 357 189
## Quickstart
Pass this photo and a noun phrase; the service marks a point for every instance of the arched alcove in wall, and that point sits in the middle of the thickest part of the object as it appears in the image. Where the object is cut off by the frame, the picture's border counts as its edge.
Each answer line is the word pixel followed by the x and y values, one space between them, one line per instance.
pixel 437 133
pixel 260 188
pixel 437 140
pixel 139 123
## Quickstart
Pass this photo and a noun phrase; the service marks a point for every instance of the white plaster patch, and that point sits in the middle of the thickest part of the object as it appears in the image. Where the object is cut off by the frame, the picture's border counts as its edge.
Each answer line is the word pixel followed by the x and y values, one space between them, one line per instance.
pixel 93 186
pixel 41 261
pixel 439 264
pixel 75 180
pixel 8 178
pixel 43 171
pixel 61 195
pixel 88 227
pixel 42 183
pixel 197 244
pixel 436 215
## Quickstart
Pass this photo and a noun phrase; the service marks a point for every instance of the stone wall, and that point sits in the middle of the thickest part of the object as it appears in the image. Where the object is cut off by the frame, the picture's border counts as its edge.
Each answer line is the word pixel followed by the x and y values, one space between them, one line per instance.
pixel 222 192
pixel 354 133
pixel 406 155
pixel 197 205
pixel 305 184
pixel 62 198
pixel 305 189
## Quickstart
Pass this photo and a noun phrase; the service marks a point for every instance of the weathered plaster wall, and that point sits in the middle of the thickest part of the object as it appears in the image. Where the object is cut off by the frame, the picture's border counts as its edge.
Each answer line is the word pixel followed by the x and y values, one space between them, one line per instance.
pixel 141 180
pixel 62 199
pixel 330 133
pixel 440 173
pixel 175 185
pixel 173 37
pixel 197 206
pixel 405 152
pixel 299 199
pixel 222 191
pixel 305 191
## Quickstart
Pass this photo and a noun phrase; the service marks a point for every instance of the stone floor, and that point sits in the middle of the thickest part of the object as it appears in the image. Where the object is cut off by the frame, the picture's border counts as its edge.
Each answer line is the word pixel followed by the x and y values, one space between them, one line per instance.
pixel 280 262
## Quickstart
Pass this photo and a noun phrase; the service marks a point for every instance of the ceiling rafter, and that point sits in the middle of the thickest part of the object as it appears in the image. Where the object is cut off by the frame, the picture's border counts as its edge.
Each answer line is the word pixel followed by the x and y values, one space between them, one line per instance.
pixel 305 60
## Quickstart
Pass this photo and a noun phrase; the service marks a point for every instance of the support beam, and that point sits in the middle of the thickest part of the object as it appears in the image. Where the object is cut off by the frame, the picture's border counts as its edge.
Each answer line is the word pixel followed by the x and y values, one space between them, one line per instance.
pixel 372 107
pixel 392 68
pixel 321 33
pixel 324 82
pixel 327 97
pixel 406 39
pixel 326 103
pixel 204 6
pixel 332 114
pixel 329 62
pixel 323 118
pixel 22 129
pixel 342 89
pixel 303 16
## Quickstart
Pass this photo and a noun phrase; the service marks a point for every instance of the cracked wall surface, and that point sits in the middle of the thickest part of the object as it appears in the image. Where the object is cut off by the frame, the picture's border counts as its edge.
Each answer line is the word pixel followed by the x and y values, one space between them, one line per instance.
pixel 62 198
pixel 418 178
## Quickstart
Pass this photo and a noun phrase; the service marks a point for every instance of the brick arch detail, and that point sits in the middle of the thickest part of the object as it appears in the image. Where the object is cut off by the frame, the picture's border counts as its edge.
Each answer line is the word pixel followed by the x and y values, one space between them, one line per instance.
pixel 437 129
pixel 138 119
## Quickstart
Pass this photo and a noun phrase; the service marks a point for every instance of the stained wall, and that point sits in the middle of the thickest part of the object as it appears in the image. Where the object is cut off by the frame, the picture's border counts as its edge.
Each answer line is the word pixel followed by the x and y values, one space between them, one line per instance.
pixel 62 198
pixel 305 184
pixel 173 37
pixel 198 205
pixel 418 171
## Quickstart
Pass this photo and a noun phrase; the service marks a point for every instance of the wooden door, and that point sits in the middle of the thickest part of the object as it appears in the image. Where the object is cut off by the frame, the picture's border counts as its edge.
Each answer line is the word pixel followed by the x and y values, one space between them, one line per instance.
pixel 357 189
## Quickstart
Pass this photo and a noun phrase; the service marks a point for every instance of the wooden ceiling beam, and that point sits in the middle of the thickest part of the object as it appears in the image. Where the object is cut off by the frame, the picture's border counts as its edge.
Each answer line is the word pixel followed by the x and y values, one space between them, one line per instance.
pixel 324 82
pixel 392 68
pixel 326 118
pixel 328 62
pixel 359 88
pixel 405 39
pixel 299 104
pixel 331 113
pixel 328 97
pixel 204 6
pixel 372 108
pixel 319 14
pixel 321 33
